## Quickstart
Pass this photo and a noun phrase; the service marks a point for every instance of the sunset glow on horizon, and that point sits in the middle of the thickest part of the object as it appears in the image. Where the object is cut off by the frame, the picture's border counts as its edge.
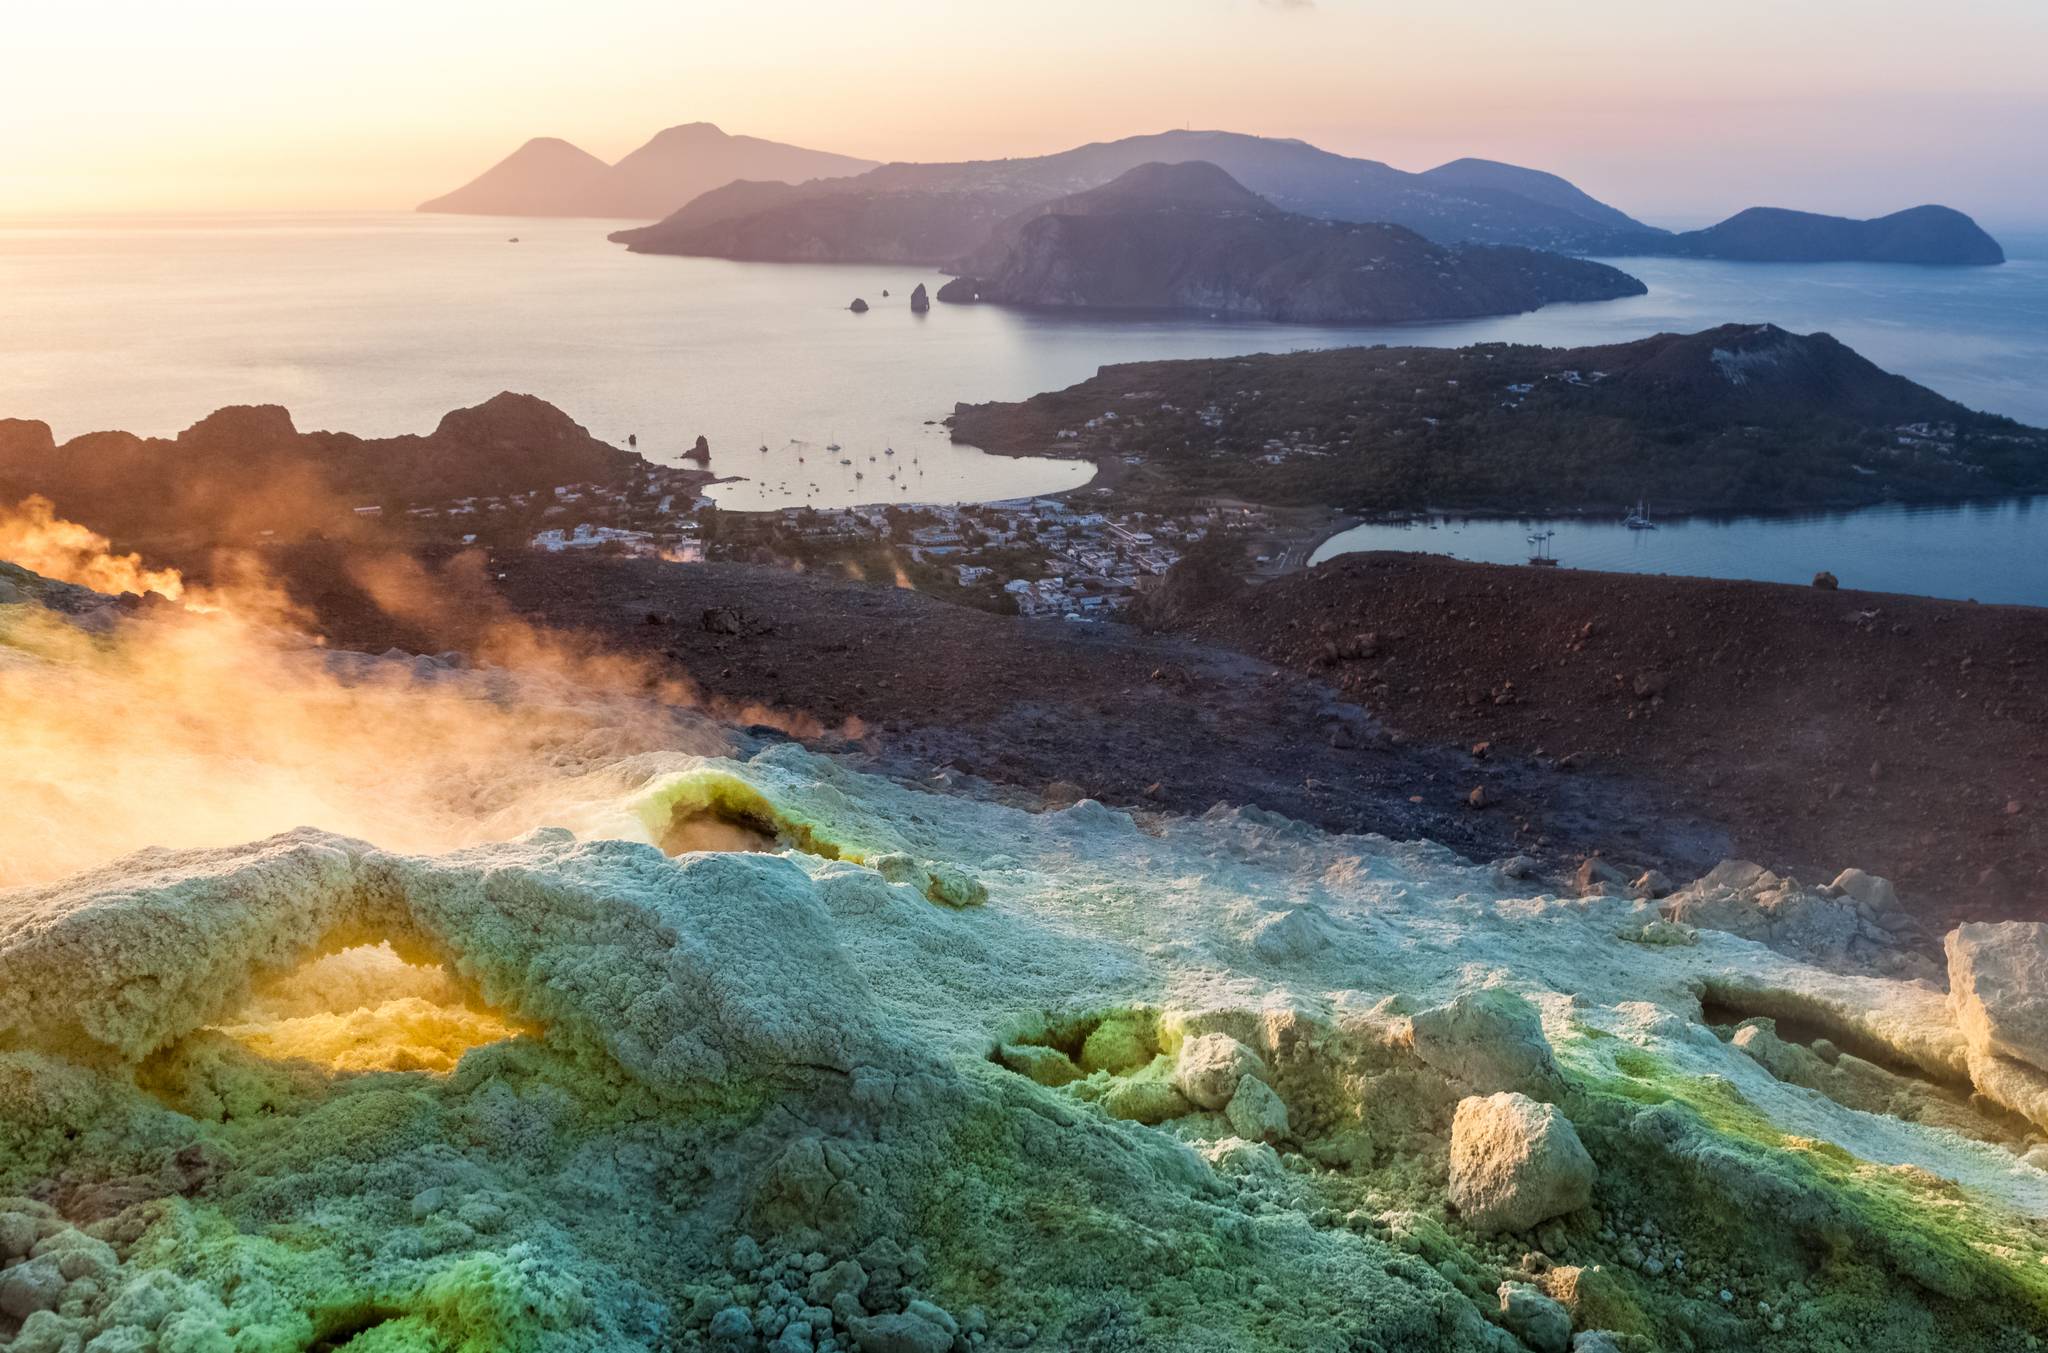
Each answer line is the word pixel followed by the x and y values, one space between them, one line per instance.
pixel 225 105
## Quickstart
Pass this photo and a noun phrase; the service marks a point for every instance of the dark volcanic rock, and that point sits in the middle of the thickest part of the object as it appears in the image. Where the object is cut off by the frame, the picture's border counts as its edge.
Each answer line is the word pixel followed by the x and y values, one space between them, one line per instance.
pixel 920 300
pixel 24 438
pixel 248 467
pixel 255 427
pixel 960 291
pixel 1200 581
pixel 859 306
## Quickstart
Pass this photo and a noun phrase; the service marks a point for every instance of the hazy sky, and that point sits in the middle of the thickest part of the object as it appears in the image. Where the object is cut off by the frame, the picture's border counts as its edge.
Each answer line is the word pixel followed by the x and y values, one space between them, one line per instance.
pixel 1674 112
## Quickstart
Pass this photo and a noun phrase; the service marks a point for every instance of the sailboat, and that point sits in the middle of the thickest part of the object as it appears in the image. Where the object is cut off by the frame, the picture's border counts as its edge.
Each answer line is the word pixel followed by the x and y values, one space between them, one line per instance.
pixel 1542 558
pixel 1639 520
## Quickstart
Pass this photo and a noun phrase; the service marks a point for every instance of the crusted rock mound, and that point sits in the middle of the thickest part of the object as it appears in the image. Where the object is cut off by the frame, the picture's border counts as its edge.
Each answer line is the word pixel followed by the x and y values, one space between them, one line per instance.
pixel 1516 1163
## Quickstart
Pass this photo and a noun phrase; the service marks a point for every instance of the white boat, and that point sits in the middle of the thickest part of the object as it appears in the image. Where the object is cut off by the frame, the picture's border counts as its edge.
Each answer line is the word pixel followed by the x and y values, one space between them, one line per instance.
pixel 1639 520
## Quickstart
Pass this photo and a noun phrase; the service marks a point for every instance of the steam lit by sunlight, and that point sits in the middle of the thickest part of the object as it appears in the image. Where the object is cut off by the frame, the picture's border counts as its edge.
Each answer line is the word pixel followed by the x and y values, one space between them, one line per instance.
pixel 366 1009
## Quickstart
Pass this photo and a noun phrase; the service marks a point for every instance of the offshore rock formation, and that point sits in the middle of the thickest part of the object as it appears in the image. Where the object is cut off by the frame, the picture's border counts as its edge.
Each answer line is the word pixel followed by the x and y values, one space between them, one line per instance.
pixel 615 1090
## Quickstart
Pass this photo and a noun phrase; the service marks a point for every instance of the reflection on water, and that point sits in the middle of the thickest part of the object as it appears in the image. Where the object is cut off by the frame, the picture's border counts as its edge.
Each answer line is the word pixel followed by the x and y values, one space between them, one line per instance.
pixel 380 323
pixel 1990 552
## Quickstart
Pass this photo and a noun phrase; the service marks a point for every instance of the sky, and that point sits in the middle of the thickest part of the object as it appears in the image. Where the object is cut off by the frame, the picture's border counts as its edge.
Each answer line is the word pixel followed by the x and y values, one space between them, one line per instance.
pixel 1678 113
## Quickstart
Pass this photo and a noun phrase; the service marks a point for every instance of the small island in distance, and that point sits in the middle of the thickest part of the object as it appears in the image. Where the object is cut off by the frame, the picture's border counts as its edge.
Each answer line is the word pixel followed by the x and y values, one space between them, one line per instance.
pixel 550 177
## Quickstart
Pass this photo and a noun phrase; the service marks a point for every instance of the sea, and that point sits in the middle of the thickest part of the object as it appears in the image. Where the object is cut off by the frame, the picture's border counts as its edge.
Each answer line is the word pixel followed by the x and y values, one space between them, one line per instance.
pixel 379 323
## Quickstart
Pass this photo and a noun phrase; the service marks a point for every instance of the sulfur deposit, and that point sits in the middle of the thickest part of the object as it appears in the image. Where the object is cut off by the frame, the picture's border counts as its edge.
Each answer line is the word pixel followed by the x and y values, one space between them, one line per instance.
pixel 884 1069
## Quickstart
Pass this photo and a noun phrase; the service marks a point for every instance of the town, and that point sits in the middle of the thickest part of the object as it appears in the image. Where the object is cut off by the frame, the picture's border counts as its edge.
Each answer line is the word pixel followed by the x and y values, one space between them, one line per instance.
pixel 1044 557
pixel 1077 557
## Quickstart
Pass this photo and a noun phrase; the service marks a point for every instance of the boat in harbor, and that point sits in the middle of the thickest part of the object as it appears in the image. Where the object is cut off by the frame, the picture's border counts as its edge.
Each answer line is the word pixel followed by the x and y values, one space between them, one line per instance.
pixel 1639 519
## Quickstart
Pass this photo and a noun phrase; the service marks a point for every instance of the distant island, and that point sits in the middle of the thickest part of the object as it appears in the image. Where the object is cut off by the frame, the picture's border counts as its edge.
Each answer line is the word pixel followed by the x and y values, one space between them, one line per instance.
pixel 1741 418
pixel 247 469
pixel 1930 235
pixel 1189 237
pixel 550 177
pixel 936 214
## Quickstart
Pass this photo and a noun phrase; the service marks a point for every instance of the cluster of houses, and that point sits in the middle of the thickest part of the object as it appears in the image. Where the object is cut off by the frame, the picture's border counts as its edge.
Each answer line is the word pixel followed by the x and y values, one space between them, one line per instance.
pixel 1047 556
pixel 1067 560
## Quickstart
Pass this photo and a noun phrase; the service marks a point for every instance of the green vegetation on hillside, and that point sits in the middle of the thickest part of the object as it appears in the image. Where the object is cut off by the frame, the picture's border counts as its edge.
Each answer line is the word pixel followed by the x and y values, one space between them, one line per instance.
pixel 1738 418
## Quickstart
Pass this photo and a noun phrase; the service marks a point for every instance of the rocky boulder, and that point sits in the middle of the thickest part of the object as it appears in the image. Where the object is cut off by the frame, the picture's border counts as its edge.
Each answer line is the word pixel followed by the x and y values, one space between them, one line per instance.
pixel 920 300
pixel 960 291
pixel 1486 1041
pixel 859 306
pixel 1210 1066
pixel 1256 1113
pixel 1872 894
pixel 1998 988
pixel 1541 1323
pixel 1516 1163
pixel 1746 899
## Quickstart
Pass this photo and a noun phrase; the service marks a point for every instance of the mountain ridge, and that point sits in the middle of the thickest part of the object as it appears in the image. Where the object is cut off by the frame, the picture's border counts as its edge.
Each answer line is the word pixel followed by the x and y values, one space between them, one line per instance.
pixel 548 176
pixel 949 207
pixel 934 214
pixel 1190 237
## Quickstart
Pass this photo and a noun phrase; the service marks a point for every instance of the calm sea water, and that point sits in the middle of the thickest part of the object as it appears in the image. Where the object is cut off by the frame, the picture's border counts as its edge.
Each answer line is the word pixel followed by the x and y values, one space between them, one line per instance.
pixel 1992 552
pixel 379 324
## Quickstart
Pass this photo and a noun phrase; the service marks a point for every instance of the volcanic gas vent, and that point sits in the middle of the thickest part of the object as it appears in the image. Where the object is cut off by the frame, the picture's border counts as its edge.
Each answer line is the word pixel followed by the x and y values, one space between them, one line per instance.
pixel 367 1009
pixel 708 810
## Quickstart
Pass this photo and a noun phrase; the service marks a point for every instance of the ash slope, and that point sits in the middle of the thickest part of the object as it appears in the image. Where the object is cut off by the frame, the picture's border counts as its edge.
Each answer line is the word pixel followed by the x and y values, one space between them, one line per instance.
pixel 920 1072
pixel 1189 237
